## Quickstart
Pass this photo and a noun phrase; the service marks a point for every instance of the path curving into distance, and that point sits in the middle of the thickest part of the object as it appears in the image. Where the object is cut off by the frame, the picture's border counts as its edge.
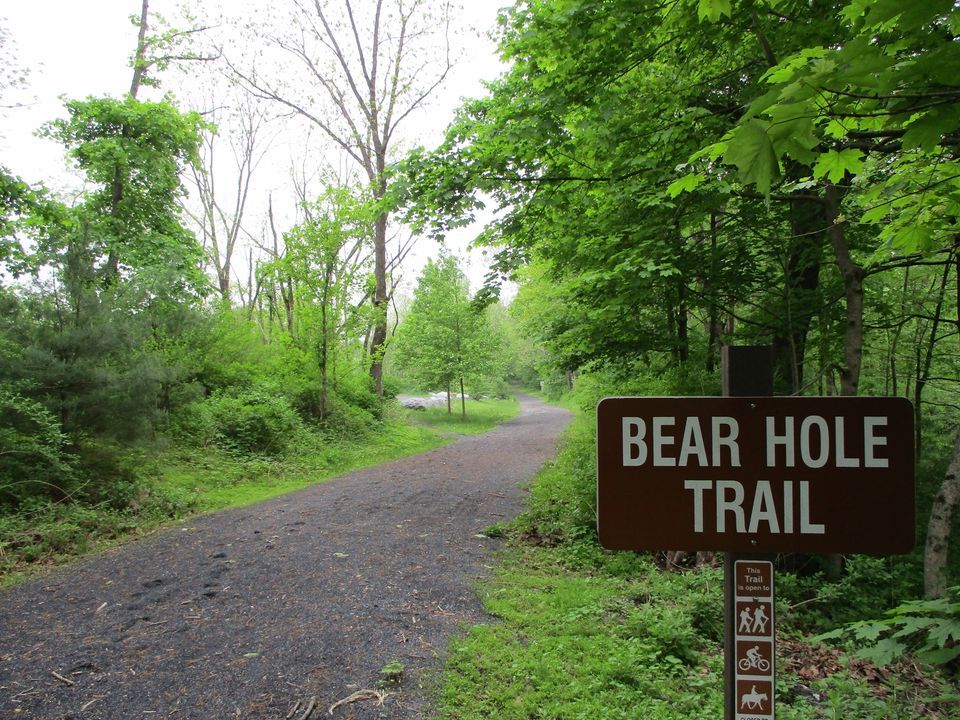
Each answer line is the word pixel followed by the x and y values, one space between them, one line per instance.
pixel 300 599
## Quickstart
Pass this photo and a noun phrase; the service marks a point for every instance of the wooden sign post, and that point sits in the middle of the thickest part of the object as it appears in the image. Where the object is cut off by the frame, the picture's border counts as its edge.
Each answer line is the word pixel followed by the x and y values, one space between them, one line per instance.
pixel 753 475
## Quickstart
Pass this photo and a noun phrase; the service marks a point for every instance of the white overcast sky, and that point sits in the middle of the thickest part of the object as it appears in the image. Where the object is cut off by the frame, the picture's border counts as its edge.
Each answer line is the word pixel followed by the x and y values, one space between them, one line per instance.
pixel 79 48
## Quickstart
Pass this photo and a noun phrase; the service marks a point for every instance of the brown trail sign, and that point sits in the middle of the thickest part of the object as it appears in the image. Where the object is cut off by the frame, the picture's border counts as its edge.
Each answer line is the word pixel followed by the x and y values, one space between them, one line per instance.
pixel 763 474
pixel 757 475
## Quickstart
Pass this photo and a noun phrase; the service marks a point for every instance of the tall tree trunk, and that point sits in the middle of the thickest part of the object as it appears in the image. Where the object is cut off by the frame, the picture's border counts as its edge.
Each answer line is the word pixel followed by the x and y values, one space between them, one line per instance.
pixel 713 310
pixel 139 57
pixel 380 297
pixel 683 332
pixel 853 276
pixel 894 374
pixel 463 399
pixel 939 526
pixel 112 270
pixel 324 340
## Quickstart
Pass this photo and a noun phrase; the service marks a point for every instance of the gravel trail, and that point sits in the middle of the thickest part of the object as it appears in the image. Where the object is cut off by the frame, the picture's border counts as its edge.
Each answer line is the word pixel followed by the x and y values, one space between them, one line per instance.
pixel 301 599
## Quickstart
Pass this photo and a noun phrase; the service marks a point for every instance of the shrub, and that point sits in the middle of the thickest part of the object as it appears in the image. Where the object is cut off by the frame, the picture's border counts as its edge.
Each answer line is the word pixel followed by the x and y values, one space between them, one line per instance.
pixel 358 390
pixel 32 456
pixel 252 422
pixel 927 629
pixel 348 419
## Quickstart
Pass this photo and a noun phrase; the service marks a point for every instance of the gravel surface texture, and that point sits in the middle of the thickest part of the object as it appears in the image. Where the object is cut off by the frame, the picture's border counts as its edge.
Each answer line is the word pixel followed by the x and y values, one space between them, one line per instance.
pixel 271 610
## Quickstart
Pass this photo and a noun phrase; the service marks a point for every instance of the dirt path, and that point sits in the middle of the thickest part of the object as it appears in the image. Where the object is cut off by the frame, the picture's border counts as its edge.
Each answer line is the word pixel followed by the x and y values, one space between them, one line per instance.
pixel 244 613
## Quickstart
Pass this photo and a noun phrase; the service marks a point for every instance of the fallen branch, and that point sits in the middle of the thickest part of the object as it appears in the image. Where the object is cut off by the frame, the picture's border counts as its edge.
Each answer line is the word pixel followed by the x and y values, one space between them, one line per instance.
pixel 309 711
pixel 357 697
pixel 61 678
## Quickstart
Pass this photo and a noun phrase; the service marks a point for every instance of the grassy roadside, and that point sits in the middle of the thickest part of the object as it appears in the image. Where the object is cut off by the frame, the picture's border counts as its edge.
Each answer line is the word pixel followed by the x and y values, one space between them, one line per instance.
pixel 481 416
pixel 580 632
pixel 177 483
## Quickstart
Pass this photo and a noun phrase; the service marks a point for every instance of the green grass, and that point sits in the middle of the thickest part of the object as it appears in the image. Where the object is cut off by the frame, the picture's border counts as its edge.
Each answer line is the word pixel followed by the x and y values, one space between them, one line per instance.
pixel 217 480
pixel 570 644
pixel 482 415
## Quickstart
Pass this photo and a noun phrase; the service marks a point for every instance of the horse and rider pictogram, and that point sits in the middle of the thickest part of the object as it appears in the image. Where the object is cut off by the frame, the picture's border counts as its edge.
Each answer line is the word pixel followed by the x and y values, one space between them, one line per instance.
pixel 753 696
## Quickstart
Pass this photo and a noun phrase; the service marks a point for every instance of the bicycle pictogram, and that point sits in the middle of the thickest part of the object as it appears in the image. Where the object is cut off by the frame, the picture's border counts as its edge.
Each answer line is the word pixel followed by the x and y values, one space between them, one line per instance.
pixel 754 661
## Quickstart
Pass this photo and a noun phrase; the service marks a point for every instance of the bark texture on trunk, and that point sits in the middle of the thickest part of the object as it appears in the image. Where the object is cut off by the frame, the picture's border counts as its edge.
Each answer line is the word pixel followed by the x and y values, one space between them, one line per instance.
pixel 853 276
pixel 939 526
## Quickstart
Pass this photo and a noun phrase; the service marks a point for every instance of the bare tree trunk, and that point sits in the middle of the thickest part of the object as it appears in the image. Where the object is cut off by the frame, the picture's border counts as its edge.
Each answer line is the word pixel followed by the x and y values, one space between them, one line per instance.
pixel 139 58
pixel 463 399
pixel 939 526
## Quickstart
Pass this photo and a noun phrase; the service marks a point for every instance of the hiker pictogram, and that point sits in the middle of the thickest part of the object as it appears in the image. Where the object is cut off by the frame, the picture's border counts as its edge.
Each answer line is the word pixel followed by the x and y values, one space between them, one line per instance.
pixel 753 620
pixel 760 621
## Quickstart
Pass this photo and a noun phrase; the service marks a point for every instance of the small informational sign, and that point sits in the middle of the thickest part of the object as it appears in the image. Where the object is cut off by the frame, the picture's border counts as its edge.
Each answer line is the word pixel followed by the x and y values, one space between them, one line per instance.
pixel 754 639
pixel 756 474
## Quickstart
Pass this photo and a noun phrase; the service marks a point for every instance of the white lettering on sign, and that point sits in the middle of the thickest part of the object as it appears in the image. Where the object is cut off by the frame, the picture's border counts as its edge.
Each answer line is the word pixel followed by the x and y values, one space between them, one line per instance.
pixel 660 438
pixel 728 497
pixel 692 450
pixel 871 442
pixel 814 438
pixel 634 431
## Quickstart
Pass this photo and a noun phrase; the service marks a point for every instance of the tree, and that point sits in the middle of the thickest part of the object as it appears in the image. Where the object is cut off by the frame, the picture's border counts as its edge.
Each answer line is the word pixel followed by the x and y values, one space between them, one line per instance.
pixel 326 260
pixel 370 68
pixel 155 52
pixel 445 338
pixel 133 153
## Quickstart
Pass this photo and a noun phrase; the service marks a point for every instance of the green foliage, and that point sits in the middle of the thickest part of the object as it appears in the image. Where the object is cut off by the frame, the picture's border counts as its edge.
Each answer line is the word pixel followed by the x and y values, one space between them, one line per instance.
pixel 926 629
pixel 134 152
pixel 251 422
pixel 867 587
pixel 33 460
